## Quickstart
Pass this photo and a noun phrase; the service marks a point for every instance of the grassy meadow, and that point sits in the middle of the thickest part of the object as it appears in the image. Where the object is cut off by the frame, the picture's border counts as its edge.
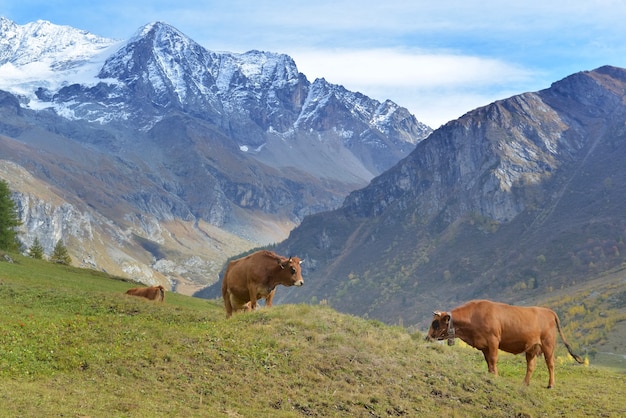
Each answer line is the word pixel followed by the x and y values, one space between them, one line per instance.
pixel 72 344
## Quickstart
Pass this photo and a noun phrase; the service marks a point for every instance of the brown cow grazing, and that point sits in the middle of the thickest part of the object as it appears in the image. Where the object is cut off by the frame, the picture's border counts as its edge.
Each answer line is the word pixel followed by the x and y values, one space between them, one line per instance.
pixel 256 276
pixel 152 293
pixel 489 326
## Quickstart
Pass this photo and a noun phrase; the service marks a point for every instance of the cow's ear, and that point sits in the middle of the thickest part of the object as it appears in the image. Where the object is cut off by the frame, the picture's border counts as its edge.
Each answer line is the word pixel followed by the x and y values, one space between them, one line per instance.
pixel 282 265
pixel 446 319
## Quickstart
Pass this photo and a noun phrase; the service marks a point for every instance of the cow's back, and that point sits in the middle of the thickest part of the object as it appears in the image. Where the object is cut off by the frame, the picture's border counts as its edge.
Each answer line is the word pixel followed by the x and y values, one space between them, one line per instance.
pixel 517 327
pixel 523 319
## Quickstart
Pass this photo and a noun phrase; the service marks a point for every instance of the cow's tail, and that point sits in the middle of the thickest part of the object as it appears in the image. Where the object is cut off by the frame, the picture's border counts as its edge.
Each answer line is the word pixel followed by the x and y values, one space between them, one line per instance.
pixel 569 347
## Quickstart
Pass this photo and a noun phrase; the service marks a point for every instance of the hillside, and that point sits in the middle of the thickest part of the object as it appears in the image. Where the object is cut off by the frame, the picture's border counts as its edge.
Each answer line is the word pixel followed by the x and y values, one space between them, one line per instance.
pixel 74 345
pixel 513 201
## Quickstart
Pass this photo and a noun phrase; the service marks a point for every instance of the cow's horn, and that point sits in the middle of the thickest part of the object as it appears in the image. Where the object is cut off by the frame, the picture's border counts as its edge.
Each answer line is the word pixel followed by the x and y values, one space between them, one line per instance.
pixel 301 261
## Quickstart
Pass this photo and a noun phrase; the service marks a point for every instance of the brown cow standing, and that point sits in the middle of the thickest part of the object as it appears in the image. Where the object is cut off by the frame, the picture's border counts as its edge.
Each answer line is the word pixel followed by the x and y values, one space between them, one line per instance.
pixel 256 276
pixel 489 326
pixel 152 293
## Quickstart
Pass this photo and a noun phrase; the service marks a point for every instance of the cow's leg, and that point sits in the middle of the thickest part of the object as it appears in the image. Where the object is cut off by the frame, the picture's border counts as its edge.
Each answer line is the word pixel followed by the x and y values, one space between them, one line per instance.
pixel 269 298
pixel 548 354
pixel 253 297
pixel 531 362
pixel 491 357
pixel 236 305
pixel 228 303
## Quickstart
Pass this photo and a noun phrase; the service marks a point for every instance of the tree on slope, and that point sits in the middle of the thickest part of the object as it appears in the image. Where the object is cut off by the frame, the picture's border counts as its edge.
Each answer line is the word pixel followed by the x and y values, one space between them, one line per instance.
pixel 36 250
pixel 9 219
pixel 60 255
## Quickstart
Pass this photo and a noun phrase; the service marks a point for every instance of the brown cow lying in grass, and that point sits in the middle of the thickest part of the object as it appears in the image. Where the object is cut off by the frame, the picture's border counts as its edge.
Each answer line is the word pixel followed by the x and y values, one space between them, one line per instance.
pixel 151 293
pixel 489 326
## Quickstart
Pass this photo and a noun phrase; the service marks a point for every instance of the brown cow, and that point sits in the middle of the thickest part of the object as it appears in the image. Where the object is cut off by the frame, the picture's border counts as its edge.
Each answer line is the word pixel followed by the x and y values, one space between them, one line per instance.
pixel 256 276
pixel 489 326
pixel 152 293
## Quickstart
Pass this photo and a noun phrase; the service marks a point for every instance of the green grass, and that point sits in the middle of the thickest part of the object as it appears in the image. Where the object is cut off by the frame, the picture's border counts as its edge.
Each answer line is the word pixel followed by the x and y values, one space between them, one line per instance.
pixel 73 344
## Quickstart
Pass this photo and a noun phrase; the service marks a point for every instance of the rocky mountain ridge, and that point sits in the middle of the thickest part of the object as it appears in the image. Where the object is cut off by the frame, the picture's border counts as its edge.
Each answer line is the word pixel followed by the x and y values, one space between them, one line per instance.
pixel 513 200
pixel 158 132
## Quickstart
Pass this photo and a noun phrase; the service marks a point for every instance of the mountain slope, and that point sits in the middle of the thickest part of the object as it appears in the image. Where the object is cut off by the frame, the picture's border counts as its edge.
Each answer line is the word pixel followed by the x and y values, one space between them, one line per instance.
pixel 78 350
pixel 515 199
pixel 155 132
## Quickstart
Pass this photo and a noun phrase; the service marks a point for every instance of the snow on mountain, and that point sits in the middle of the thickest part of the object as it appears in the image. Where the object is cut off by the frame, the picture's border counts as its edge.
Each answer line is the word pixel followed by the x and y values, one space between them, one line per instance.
pixel 169 69
pixel 359 105
pixel 162 57
pixel 41 54
pixel 250 97
pixel 260 69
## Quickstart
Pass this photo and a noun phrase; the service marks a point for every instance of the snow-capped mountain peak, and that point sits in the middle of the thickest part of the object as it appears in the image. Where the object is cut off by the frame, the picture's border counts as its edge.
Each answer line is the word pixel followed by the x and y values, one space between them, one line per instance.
pixel 160 69
pixel 44 41
pixel 171 59
pixel 42 54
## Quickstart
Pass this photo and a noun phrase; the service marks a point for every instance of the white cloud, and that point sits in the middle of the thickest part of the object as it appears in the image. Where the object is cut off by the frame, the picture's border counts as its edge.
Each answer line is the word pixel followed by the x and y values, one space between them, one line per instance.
pixel 435 87
pixel 396 68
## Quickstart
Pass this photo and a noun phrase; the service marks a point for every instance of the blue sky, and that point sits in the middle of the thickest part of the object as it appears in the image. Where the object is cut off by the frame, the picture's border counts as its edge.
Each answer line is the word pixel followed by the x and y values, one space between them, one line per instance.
pixel 439 59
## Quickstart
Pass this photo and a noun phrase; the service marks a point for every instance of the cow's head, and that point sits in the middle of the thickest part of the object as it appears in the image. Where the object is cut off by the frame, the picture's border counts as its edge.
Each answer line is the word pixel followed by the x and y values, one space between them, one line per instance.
pixel 439 327
pixel 291 274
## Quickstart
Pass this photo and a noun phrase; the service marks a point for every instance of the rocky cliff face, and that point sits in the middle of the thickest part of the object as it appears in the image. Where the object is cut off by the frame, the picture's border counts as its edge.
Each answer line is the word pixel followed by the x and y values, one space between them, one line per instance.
pixel 478 162
pixel 513 199
pixel 52 223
